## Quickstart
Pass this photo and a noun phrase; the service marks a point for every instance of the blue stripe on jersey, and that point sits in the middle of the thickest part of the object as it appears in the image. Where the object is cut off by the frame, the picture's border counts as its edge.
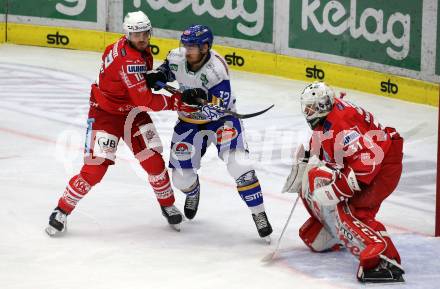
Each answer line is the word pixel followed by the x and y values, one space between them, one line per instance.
pixel 223 91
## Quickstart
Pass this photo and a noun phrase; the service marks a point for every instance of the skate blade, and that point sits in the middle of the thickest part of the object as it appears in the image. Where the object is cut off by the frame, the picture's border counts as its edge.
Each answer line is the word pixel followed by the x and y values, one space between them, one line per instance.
pixel 383 281
pixel 52 232
pixel 268 240
pixel 175 227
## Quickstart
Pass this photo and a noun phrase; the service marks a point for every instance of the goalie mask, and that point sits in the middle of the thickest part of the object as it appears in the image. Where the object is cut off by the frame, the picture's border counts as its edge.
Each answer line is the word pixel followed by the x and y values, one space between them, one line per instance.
pixel 316 102
pixel 136 22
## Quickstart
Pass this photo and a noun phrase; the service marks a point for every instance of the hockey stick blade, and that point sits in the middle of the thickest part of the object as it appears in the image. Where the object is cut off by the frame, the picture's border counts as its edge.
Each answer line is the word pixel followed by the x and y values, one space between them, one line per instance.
pixel 172 89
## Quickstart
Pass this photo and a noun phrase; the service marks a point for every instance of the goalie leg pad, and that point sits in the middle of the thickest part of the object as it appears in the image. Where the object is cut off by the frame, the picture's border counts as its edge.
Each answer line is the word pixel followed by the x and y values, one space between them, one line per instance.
pixel 366 215
pixel 360 239
pixel 317 238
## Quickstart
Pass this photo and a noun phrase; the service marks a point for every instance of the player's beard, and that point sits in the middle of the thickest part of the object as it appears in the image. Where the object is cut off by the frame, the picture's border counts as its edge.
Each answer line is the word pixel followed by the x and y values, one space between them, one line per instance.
pixel 141 45
pixel 196 62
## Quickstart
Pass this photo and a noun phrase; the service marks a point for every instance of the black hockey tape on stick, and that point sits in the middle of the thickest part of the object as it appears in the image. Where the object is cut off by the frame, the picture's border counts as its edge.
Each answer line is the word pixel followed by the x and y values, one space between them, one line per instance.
pixel 219 109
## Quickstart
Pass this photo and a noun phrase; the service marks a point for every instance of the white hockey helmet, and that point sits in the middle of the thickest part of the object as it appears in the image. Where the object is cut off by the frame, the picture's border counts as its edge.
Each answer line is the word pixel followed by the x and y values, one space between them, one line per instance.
pixel 316 102
pixel 136 22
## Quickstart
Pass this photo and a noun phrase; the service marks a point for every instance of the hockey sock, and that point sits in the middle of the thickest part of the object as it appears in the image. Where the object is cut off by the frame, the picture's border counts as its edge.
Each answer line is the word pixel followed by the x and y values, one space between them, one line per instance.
pixel 162 188
pixel 249 189
pixel 74 192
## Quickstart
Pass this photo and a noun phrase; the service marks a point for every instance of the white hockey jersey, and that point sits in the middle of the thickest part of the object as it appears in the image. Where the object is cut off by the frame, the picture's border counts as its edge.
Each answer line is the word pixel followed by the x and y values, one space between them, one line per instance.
pixel 213 77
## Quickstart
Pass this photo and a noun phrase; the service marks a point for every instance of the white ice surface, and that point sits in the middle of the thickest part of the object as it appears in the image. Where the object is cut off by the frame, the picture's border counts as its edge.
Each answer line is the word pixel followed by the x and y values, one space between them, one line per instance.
pixel 117 237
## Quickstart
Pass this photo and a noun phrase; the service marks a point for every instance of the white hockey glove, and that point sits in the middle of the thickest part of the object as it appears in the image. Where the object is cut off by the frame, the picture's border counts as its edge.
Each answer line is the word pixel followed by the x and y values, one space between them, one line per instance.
pixel 329 186
pixel 210 112
pixel 293 181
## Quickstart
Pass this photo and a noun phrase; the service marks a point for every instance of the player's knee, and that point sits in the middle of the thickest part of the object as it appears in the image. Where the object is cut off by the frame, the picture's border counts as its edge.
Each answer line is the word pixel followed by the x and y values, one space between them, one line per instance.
pixel 316 237
pixel 93 174
pixel 237 162
pixel 183 179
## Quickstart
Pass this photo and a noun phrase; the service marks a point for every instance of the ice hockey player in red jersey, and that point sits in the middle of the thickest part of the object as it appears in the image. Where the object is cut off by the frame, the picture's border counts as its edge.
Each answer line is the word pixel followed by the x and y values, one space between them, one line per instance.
pixel 119 105
pixel 352 165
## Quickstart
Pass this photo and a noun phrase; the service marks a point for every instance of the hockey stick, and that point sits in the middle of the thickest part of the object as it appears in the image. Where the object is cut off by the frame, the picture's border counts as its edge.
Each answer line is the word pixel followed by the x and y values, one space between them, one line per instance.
pixel 269 257
pixel 171 89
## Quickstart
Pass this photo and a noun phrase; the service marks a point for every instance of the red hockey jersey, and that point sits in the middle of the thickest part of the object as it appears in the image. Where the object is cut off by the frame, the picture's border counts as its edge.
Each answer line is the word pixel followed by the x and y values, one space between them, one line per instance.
pixel 350 136
pixel 121 85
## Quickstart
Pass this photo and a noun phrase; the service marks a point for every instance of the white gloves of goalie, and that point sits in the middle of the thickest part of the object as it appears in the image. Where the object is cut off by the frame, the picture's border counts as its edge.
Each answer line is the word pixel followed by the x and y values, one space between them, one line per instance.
pixel 294 180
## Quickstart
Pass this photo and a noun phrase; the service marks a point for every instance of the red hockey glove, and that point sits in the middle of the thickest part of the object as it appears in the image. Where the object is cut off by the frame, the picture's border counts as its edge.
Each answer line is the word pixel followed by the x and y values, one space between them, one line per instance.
pixel 176 103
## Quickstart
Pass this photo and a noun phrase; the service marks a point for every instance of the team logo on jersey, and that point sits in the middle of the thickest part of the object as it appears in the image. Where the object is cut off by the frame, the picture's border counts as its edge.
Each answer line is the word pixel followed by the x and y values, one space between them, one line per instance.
pixel 204 79
pixel 226 134
pixel 140 68
pixel 183 151
pixel 174 67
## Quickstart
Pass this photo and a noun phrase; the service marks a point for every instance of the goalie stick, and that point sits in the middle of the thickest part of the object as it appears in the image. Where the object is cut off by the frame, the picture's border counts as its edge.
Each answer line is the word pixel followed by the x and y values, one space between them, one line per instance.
pixel 270 257
pixel 219 109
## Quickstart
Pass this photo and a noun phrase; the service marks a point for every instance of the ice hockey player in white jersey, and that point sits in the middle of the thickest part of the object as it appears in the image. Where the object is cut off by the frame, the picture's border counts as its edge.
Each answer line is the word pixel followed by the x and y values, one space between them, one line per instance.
pixel 203 74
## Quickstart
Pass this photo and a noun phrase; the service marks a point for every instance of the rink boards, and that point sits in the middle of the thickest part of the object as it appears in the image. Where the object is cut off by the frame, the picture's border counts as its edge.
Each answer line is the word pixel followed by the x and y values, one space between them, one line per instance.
pixel 241 59
pixel 2 32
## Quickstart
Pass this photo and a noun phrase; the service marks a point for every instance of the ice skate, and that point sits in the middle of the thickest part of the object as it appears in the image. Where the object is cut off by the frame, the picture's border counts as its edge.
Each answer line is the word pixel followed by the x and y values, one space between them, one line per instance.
pixel 388 271
pixel 263 226
pixel 173 216
pixel 57 222
pixel 191 205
